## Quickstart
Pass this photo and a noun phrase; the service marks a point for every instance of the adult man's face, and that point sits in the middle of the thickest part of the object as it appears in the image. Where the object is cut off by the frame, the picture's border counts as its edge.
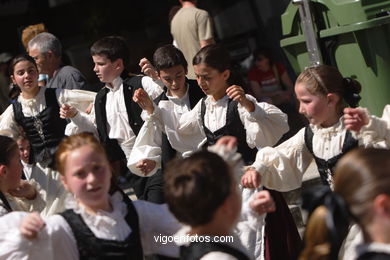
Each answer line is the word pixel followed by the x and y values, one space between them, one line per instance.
pixel 42 60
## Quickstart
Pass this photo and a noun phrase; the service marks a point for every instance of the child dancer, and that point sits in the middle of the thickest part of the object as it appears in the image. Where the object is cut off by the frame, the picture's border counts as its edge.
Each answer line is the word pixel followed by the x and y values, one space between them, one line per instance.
pixel 15 194
pixel 202 192
pixel 96 225
pixel 115 115
pixel 37 110
pixel 362 194
pixel 156 142
pixel 323 94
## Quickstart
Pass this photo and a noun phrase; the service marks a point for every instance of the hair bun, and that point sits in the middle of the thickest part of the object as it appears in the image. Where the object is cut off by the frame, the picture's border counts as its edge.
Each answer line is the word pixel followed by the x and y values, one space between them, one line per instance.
pixel 352 90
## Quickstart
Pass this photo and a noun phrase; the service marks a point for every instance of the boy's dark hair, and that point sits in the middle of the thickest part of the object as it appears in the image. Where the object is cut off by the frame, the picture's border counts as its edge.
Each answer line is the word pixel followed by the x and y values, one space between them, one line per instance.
pixel 167 57
pixel 113 47
pixel 195 187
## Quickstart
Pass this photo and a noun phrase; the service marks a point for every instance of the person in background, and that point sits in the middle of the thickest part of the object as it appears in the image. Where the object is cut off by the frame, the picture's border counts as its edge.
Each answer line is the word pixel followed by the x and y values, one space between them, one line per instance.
pixel 27 34
pixel 46 49
pixel 270 82
pixel 191 29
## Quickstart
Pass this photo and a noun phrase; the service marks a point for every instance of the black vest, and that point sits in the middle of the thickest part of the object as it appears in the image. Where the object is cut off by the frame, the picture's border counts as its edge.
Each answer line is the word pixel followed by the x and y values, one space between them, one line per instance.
pixel 326 167
pixel 44 131
pixel 194 95
pixel 197 250
pixel 114 151
pixel 91 247
pixel 4 202
pixel 233 127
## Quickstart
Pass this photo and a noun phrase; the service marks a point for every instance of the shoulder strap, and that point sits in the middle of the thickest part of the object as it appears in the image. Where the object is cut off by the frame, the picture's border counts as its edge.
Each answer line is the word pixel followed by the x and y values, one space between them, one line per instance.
pixel 309 138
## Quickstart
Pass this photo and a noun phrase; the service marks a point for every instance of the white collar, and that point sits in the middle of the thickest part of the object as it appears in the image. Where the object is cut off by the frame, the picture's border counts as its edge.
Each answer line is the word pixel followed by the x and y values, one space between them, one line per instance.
pixel 115 85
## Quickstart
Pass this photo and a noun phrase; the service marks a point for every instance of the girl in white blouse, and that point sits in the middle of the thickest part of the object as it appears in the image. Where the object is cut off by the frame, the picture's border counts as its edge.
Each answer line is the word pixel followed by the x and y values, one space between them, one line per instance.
pixel 323 94
pixel 96 224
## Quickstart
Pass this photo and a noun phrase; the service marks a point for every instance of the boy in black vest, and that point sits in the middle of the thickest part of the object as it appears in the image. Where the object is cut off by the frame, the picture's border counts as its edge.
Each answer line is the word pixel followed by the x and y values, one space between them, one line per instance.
pixel 115 115
pixel 180 95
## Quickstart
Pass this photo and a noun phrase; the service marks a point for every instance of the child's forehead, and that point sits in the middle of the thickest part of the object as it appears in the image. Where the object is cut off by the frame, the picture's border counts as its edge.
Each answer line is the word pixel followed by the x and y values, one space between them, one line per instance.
pixel 173 70
pixel 101 57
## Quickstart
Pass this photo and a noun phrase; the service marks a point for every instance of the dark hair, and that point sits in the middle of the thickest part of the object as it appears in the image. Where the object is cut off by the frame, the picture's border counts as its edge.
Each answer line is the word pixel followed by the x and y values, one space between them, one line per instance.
pixel 15 90
pixel 172 12
pixel 197 186
pixel 324 79
pixel 8 149
pixel 265 52
pixel 167 57
pixel 113 47
pixel 214 56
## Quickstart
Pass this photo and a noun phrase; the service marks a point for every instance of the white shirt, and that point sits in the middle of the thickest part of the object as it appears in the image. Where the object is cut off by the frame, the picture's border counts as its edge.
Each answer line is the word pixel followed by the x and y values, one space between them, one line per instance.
pixel 264 126
pixel 56 239
pixel 149 139
pixel 118 126
pixel 32 107
pixel 282 167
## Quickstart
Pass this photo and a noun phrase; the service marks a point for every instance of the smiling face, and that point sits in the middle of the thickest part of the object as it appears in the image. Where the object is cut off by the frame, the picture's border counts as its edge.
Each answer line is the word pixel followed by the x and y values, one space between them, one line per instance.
pixel 24 149
pixel 105 69
pixel 87 175
pixel 211 81
pixel 174 79
pixel 25 75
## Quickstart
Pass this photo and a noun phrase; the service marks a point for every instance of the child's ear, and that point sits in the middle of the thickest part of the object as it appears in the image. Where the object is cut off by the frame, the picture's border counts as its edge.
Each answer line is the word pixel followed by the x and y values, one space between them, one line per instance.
pixel 3 170
pixel 333 99
pixel 119 64
pixel 63 180
pixel 13 79
pixel 226 74
pixel 382 205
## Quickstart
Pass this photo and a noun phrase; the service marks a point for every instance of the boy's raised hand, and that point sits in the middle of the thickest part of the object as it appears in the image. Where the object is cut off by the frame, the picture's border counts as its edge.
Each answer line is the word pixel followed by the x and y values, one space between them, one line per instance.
pixel 25 190
pixel 262 202
pixel 146 165
pixel 143 100
pixel 148 69
pixel 355 118
pixel 67 111
pixel 31 225
pixel 251 179
pixel 237 93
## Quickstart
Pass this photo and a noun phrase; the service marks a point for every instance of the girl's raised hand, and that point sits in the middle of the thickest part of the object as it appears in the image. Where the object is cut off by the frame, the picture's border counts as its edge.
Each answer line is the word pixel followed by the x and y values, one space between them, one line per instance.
pixel 143 100
pixel 31 225
pixel 355 118
pixel 237 93
pixel 251 179
pixel 262 202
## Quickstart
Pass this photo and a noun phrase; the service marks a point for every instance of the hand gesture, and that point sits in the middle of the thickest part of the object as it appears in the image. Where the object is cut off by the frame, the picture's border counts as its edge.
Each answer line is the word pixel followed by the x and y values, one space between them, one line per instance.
pixel 355 118
pixel 31 225
pixel 230 142
pixel 262 202
pixel 143 100
pixel 148 69
pixel 25 190
pixel 67 111
pixel 146 166
pixel 251 179
pixel 237 93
